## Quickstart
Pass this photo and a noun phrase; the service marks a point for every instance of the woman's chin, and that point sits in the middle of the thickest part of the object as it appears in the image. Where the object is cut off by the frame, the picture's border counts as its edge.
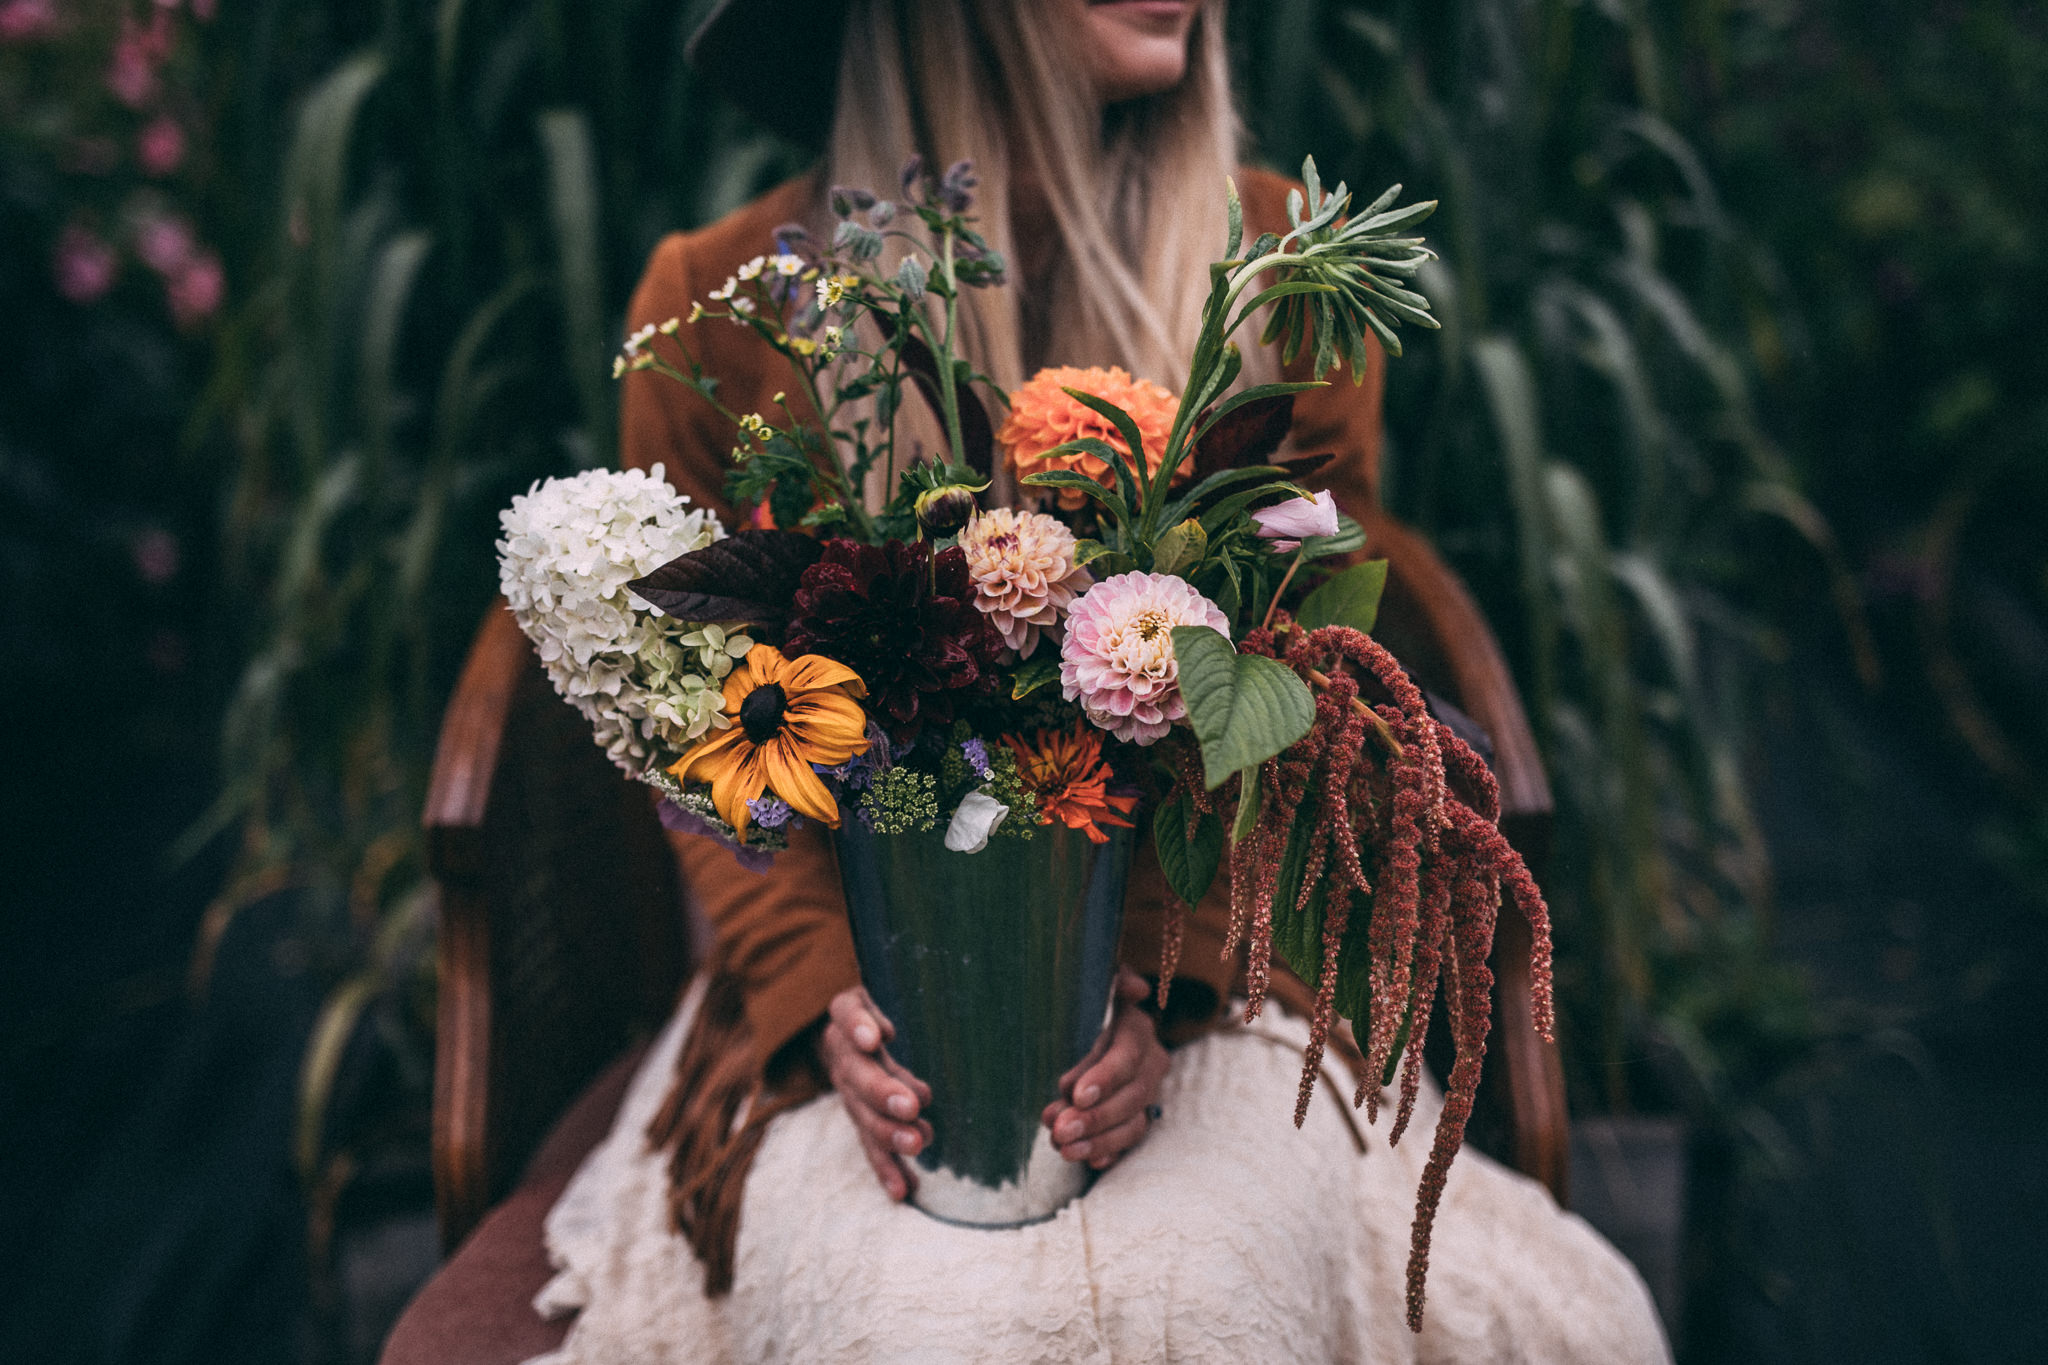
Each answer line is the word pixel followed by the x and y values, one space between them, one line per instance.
pixel 1138 47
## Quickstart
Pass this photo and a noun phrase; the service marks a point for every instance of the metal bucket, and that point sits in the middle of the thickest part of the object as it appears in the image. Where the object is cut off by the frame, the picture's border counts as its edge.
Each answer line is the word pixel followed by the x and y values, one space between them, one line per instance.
pixel 995 967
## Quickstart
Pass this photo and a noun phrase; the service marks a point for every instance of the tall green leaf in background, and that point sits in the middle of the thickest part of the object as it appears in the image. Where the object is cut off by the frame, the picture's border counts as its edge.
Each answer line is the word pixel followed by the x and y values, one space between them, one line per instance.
pixel 1585 447
pixel 463 194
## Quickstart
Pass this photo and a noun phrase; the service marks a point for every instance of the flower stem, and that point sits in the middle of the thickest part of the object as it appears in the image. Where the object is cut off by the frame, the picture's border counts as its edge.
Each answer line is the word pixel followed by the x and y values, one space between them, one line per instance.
pixel 1274 605
pixel 949 399
pixel 1384 731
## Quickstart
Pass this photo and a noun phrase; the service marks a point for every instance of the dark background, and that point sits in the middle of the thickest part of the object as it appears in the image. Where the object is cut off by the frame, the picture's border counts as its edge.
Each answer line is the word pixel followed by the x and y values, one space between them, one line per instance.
pixel 1738 427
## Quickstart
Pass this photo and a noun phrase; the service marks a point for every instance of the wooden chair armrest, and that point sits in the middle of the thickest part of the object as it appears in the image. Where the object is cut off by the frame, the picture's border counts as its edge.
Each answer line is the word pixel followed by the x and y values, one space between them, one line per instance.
pixel 1434 627
pixel 458 798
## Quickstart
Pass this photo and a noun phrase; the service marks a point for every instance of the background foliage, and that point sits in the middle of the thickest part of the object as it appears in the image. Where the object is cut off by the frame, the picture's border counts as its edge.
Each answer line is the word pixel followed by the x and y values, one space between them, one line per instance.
pixel 1735 428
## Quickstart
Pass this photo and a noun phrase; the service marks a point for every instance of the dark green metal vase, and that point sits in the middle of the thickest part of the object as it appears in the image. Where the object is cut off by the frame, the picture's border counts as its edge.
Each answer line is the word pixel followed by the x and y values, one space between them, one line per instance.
pixel 995 967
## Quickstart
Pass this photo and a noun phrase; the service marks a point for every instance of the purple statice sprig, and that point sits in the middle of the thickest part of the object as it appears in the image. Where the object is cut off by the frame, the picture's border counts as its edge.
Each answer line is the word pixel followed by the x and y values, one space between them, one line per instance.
pixel 772 812
pixel 976 754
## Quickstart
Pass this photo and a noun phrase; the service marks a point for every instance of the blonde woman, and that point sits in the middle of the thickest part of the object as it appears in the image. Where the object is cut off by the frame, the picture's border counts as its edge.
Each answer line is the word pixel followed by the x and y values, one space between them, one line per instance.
pixel 738 1212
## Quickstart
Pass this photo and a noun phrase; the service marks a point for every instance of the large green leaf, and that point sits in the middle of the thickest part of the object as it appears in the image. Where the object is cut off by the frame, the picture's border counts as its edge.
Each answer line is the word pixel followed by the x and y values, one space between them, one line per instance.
pixel 1189 863
pixel 1244 708
pixel 1352 598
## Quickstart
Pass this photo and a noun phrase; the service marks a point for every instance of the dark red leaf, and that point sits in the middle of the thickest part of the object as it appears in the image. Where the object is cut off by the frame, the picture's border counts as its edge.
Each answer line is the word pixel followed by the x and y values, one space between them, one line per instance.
pixel 749 576
pixel 1245 437
pixel 1301 468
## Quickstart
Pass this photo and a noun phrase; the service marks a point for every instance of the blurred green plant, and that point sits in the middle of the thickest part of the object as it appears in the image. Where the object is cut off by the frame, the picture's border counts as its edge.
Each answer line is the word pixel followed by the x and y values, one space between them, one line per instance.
pixel 1588 449
pixel 450 221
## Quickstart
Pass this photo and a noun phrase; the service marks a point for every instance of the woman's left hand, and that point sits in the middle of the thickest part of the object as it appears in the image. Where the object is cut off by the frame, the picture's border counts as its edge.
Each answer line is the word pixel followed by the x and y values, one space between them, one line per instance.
pixel 1103 1114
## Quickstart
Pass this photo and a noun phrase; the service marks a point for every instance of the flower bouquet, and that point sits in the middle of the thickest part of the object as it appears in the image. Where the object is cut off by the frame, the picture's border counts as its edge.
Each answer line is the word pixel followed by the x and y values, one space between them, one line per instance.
pixel 987 704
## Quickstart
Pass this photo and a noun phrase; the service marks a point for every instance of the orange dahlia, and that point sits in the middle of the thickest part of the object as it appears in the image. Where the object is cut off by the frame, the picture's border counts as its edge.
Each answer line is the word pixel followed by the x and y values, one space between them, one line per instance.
pixel 1043 417
pixel 783 715
pixel 1065 771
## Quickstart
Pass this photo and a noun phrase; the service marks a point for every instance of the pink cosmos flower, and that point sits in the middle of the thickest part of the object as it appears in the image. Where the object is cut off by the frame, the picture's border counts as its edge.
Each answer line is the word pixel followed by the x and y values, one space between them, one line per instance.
pixel 160 147
pixel 1022 564
pixel 1285 525
pixel 1117 659
pixel 85 265
pixel 22 20
pixel 197 290
pixel 165 244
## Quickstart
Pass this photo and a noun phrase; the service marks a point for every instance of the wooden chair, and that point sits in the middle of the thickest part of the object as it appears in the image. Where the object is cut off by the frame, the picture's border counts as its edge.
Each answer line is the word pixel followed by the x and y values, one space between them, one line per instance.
pixel 565 941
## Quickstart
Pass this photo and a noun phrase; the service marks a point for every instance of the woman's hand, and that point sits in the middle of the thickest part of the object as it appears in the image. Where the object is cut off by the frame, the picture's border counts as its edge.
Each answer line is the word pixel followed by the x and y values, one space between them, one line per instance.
pixel 882 1098
pixel 1108 1095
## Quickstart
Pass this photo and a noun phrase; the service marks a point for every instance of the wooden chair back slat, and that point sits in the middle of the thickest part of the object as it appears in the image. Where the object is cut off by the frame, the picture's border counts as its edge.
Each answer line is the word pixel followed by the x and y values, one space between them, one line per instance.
pixel 562 922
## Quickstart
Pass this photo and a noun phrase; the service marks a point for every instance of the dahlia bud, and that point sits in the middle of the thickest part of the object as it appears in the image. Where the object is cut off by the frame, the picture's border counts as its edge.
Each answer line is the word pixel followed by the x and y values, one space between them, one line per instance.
pixel 945 511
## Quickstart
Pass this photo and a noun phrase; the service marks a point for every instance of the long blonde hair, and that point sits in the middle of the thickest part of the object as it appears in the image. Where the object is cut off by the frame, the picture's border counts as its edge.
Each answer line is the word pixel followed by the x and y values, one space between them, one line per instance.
pixel 1136 192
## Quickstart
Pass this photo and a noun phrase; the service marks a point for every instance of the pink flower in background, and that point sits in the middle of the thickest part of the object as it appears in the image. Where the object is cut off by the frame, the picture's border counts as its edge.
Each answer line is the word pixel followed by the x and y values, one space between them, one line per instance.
pixel 1118 660
pixel 197 291
pixel 156 556
pixel 22 20
pixel 160 147
pixel 85 265
pixel 165 244
pixel 203 10
pixel 139 51
pixel 1285 525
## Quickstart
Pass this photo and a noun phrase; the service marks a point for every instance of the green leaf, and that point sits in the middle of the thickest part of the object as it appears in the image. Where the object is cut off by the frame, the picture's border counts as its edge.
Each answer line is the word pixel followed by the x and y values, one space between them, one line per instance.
pixel 1125 427
pixel 1351 598
pixel 1066 478
pixel 1247 804
pixel 1111 457
pixel 1350 536
pixel 1219 483
pixel 1111 564
pixel 1298 933
pixel 1088 551
pixel 1033 674
pixel 1236 211
pixel 1180 549
pixel 1189 864
pixel 1244 708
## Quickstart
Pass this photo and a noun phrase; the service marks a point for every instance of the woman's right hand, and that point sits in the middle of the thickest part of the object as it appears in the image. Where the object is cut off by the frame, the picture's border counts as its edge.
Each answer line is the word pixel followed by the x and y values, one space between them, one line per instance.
pixel 882 1098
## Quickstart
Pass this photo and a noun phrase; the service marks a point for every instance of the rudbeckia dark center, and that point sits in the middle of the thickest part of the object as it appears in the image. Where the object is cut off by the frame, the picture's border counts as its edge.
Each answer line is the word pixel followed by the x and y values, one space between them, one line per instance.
pixel 761 712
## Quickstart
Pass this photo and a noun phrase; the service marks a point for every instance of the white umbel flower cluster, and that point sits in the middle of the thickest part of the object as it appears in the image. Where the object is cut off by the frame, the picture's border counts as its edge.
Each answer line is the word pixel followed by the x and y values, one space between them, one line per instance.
pixel 647 684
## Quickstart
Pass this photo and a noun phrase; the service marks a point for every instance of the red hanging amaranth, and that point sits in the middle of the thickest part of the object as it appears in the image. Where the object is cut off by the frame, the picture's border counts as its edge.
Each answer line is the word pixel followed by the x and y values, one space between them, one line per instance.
pixel 1401 816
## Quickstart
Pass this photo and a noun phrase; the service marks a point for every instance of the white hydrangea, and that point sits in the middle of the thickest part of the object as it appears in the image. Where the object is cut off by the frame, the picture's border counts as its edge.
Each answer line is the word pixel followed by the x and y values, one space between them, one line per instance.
pixel 645 682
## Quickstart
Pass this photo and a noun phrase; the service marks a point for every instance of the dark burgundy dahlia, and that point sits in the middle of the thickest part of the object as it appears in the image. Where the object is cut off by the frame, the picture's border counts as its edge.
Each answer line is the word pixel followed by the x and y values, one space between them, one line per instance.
pixel 903 621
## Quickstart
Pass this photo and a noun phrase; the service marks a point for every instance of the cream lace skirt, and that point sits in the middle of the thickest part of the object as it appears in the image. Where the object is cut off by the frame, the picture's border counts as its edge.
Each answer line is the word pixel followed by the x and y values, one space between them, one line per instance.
pixel 1226 1236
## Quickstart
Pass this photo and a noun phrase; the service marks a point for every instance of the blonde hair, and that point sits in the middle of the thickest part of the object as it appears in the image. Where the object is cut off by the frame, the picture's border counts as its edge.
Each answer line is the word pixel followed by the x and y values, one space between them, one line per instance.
pixel 1135 191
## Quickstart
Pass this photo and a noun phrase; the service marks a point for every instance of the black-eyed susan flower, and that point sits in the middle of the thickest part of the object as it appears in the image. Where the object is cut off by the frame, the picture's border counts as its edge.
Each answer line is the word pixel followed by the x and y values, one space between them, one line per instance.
pixel 786 714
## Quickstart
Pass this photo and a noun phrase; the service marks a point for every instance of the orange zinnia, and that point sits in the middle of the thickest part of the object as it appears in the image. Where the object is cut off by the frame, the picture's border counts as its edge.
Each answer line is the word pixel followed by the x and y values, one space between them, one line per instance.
pixel 785 714
pixel 1065 771
pixel 1043 417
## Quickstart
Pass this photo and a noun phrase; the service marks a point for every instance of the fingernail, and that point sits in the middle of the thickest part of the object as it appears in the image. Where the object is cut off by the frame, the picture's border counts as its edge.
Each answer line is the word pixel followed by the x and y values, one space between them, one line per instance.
pixel 1078 1152
pixel 1087 1095
pixel 902 1107
pixel 905 1141
pixel 865 1036
pixel 1070 1130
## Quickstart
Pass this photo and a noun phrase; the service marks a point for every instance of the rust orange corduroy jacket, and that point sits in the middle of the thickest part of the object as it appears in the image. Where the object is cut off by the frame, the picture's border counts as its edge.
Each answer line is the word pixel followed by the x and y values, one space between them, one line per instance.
pixel 783 937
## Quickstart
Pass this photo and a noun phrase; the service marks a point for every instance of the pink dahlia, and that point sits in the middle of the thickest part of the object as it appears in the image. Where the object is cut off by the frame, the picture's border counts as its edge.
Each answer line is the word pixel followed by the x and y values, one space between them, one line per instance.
pixel 1024 574
pixel 1117 659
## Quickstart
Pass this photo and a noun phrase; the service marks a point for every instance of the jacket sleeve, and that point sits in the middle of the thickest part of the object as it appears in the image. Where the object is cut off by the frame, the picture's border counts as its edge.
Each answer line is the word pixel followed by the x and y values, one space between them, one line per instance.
pixel 782 936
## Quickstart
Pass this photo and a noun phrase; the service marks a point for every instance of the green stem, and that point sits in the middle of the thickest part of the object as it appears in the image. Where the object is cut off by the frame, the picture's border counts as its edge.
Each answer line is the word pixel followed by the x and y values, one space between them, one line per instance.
pixel 949 399
pixel 1288 577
